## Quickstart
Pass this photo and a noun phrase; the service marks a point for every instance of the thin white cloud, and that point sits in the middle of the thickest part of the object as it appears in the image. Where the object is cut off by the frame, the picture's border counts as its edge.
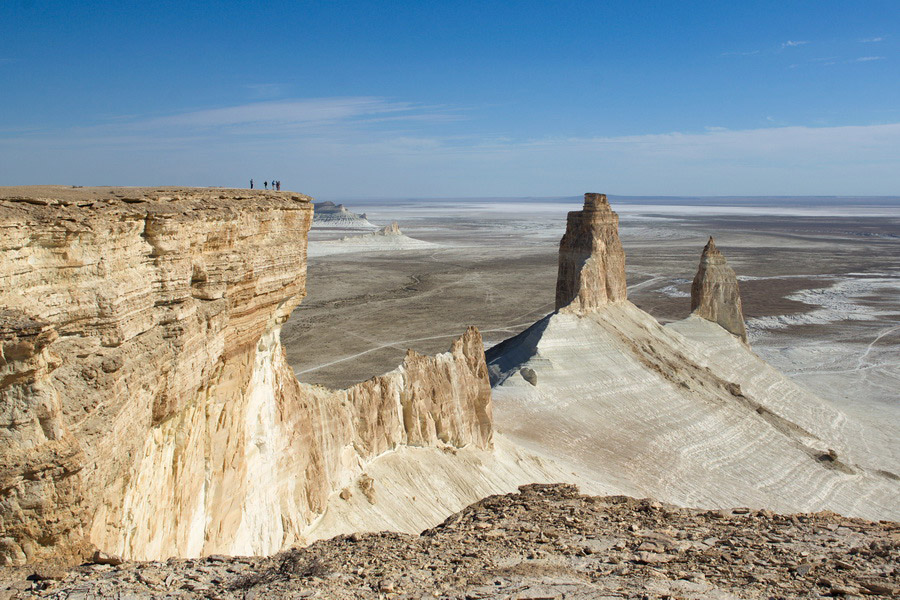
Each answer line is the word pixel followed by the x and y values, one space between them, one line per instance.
pixel 315 110
pixel 418 162
pixel 861 59
pixel 264 91
pixel 749 53
pixel 872 40
pixel 794 44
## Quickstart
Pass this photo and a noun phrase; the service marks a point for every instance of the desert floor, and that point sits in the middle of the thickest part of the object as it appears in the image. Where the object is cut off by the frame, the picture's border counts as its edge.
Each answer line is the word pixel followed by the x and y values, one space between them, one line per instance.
pixel 820 282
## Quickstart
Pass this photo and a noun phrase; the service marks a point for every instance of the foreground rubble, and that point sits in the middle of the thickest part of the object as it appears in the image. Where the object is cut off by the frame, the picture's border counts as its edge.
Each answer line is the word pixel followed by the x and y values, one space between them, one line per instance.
pixel 545 542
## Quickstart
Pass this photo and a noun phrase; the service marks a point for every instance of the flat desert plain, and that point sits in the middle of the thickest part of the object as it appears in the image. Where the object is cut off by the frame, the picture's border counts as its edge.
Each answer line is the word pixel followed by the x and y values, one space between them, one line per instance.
pixel 820 281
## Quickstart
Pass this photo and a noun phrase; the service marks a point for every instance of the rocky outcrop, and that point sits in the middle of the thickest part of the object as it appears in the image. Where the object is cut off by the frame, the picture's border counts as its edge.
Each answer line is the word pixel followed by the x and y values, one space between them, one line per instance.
pixel 146 406
pixel 392 229
pixel 547 541
pixel 591 258
pixel 715 294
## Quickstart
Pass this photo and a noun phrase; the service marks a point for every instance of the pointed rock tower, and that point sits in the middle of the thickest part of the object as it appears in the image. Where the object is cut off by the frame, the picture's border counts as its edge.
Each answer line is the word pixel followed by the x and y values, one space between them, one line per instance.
pixel 715 295
pixel 591 258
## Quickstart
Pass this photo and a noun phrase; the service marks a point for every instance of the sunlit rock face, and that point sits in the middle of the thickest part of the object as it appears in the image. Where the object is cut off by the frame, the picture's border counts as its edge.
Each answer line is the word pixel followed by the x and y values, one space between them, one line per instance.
pixel 715 294
pixel 146 406
pixel 591 258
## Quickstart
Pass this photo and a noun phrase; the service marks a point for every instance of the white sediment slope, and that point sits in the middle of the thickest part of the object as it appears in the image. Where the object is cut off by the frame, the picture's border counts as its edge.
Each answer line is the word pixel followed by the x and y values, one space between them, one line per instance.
pixel 386 239
pixel 657 411
pixel 328 215
pixel 417 488
pixel 685 413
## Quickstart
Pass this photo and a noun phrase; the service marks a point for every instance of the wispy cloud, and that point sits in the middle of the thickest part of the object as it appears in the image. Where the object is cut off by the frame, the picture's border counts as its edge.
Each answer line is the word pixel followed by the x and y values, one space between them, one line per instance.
pixel 749 53
pixel 264 91
pixel 794 44
pixel 872 40
pixel 419 160
pixel 861 59
pixel 276 118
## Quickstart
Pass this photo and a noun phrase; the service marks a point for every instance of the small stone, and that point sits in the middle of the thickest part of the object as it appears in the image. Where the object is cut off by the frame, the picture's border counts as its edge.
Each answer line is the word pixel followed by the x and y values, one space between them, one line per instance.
pixel 528 375
pixel 877 587
pixel 102 558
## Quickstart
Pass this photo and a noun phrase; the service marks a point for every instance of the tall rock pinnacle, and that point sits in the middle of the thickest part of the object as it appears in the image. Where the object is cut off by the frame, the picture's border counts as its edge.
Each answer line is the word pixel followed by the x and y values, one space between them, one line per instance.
pixel 591 258
pixel 715 295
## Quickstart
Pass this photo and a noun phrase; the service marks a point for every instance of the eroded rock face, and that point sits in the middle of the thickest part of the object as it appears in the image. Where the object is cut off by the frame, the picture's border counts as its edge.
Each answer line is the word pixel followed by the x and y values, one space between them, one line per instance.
pixel 392 229
pixel 591 258
pixel 715 294
pixel 146 406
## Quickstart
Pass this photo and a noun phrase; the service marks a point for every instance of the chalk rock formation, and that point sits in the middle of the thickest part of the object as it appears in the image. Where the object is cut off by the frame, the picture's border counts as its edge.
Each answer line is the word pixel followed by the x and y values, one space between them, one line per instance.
pixel 387 239
pixel 392 229
pixel 146 406
pixel 684 413
pixel 715 295
pixel 331 215
pixel 591 258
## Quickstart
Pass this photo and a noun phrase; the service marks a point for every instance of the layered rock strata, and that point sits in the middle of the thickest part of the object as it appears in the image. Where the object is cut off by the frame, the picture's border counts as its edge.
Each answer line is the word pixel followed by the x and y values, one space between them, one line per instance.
pixel 146 406
pixel 591 258
pixel 715 294
pixel 331 215
pixel 684 413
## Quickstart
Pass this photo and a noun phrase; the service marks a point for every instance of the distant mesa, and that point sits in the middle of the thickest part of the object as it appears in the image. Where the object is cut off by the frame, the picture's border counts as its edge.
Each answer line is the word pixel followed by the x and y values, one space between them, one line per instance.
pixel 591 258
pixel 715 294
pixel 337 216
pixel 387 239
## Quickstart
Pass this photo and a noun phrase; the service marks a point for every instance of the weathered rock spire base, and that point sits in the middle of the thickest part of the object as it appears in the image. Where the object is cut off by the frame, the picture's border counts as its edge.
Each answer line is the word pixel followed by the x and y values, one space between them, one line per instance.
pixel 591 258
pixel 715 294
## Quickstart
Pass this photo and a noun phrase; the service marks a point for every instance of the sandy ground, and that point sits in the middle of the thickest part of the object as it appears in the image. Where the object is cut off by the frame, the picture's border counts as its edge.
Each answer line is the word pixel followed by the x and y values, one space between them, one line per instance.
pixel 821 285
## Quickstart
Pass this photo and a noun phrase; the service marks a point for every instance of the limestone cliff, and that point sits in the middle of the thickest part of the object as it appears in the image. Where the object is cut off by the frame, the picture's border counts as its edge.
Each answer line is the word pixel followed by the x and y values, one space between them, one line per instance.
pixel 146 406
pixel 715 294
pixel 591 258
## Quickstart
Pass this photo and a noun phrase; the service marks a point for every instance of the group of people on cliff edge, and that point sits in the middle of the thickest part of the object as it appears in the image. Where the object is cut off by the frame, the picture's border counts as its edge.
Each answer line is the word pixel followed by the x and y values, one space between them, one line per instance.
pixel 276 185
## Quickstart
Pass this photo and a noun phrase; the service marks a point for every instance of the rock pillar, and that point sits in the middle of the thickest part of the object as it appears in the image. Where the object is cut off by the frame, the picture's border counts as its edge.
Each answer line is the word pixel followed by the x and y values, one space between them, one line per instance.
pixel 591 258
pixel 715 295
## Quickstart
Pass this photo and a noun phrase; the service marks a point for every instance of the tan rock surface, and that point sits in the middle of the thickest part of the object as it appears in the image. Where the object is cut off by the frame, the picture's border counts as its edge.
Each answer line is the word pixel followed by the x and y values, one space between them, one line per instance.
pixel 545 542
pixel 591 258
pixel 715 294
pixel 147 407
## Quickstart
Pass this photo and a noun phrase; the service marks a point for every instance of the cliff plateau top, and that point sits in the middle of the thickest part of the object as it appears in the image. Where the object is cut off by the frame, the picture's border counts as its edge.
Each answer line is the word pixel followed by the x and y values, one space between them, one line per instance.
pixel 64 195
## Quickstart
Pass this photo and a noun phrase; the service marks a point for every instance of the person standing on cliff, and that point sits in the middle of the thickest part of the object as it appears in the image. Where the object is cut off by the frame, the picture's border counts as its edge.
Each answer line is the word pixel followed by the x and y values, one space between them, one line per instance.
pixel 266 184
pixel 251 184
pixel 278 185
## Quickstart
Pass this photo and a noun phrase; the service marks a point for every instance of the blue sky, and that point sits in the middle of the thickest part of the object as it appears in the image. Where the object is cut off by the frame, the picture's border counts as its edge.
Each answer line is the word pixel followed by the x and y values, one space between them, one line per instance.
pixel 380 99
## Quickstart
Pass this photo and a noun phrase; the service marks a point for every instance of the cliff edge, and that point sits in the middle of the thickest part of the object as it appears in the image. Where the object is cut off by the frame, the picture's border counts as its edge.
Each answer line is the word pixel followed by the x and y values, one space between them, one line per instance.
pixel 146 406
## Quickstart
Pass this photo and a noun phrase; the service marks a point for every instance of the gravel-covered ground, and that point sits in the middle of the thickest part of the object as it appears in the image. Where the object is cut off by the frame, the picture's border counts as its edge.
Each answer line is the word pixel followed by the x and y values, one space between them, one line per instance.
pixel 545 542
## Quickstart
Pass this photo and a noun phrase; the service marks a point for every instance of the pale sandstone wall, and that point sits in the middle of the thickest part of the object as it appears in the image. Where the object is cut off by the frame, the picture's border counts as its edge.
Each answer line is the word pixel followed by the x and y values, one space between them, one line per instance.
pixel 591 258
pixel 146 406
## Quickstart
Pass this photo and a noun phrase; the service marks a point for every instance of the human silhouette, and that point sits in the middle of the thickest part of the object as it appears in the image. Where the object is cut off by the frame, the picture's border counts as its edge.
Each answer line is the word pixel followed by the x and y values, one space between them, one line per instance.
pixel 266 184
pixel 278 185
pixel 251 184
